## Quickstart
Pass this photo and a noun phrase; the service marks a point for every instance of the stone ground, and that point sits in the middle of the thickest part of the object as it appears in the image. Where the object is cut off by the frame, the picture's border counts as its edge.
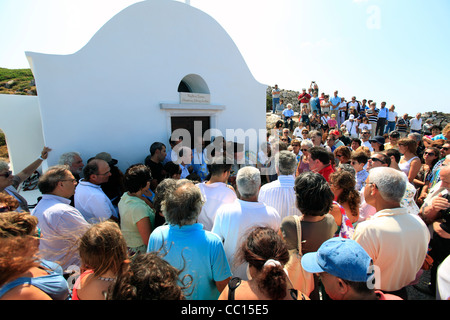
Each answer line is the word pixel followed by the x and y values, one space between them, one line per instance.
pixel 414 294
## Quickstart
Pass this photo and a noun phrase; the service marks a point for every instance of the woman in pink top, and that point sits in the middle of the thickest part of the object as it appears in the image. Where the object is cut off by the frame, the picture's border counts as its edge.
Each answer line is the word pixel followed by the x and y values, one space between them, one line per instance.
pixel 104 256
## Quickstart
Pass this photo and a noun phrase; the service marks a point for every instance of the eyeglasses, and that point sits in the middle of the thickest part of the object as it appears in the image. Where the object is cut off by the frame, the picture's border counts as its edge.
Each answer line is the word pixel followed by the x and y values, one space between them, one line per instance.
pixel 376 159
pixel 283 139
pixel 445 148
pixel 429 153
pixel 102 174
pixel 6 175
pixel 303 150
pixel 354 162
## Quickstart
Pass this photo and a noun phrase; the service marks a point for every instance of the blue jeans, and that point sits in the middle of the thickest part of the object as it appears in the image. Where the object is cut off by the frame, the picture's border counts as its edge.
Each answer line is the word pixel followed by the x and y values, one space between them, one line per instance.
pixel 275 101
pixel 390 127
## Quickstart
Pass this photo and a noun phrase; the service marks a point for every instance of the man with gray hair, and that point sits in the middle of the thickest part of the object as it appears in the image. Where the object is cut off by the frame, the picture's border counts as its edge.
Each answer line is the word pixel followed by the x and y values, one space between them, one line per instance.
pixel 184 243
pixel 74 161
pixel 395 240
pixel 233 221
pixel 280 194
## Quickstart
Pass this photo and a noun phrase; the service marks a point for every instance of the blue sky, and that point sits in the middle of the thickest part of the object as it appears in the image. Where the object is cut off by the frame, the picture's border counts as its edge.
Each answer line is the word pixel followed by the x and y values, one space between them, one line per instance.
pixel 385 50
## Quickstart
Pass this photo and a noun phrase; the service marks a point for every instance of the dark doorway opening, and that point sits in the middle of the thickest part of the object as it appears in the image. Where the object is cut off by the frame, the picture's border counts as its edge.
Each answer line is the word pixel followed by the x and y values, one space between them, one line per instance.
pixel 188 124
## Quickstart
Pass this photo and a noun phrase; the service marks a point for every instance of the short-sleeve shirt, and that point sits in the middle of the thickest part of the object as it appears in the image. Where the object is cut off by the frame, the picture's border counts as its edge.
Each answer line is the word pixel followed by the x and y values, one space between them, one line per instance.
pixel 313 233
pixel 197 253
pixel 131 211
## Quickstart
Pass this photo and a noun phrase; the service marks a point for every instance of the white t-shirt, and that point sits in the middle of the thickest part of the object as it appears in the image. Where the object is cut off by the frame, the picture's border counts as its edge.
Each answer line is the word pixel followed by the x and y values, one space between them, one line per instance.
pixel 215 195
pixel 233 222
pixel 391 116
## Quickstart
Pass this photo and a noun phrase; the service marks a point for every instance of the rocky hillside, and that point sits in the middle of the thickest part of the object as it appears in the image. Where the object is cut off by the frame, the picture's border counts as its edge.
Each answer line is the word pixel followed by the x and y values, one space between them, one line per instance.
pixel 290 96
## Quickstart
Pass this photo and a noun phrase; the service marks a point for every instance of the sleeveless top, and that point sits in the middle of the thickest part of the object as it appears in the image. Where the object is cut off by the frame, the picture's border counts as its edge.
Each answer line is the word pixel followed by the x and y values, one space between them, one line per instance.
pixel 54 284
pixel 78 283
pixel 346 229
pixel 404 166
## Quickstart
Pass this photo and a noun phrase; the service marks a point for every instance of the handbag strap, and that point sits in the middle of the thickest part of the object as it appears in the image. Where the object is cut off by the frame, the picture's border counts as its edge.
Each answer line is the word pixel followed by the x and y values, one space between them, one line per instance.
pixel 298 223
pixel 232 285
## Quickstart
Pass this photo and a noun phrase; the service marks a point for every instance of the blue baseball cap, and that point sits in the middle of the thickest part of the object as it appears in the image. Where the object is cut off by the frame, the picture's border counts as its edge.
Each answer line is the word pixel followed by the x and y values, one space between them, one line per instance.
pixel 342 258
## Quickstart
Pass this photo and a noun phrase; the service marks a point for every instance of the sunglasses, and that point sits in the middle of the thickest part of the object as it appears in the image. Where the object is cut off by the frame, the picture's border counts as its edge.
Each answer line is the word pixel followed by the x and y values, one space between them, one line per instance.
pixel 303 150
pixel 6 175
pixel 376 159
pixel 445 148
pixel 429 153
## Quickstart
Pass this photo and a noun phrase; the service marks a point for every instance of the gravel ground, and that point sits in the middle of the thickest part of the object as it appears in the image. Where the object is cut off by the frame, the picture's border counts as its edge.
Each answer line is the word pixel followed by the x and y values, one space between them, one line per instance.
pixel 414 294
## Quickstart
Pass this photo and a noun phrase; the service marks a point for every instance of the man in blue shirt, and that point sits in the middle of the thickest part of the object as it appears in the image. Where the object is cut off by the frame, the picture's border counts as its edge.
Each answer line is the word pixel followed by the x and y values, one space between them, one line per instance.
pixel 288 113
pixel 382 119
pixel 315 103
pixel 335 102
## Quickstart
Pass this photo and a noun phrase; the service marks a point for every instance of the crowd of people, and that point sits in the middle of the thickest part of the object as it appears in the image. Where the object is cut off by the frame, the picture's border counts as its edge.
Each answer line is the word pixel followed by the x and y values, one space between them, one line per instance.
pixel 354 208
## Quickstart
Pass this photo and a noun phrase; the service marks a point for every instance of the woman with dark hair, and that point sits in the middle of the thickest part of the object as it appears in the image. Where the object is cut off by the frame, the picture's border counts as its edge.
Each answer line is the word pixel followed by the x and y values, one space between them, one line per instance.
pixel 409 163
pixel 172 170
pixel 430 158
pixel 306 233
pixel 137 219
pixel 266 254
pixel 149 277
pixel 346 202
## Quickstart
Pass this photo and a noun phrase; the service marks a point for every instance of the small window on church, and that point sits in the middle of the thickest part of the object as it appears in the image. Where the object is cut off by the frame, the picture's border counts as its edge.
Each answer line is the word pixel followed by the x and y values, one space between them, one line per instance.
pixel 193 83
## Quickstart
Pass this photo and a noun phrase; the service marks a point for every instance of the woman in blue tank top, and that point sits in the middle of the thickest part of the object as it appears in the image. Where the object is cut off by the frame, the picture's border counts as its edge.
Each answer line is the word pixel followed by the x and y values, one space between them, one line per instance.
pixel 22 275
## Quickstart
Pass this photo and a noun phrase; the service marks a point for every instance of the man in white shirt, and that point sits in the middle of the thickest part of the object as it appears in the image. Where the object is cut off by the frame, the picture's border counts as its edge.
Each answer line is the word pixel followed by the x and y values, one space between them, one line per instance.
pixel 365 136
pixel 280 194
pixel 395 240
pixel 391 120
pixel 90 199
pixel 233 221
pixel 352 126
pixel 216 192
pixel 61 224
pixel 416 123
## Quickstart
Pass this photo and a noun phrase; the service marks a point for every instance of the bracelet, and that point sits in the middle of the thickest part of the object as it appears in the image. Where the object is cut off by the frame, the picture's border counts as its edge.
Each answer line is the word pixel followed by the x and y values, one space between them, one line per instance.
pixel 40 158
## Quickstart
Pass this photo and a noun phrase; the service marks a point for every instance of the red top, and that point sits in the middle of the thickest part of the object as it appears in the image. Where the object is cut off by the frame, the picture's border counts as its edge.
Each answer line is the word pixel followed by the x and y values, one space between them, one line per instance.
pixel 304 97
pixel 325 172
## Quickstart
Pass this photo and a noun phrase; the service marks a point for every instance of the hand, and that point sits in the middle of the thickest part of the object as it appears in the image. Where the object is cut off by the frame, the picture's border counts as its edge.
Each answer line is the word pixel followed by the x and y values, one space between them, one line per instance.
pixel 439 203
pixel 44 152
